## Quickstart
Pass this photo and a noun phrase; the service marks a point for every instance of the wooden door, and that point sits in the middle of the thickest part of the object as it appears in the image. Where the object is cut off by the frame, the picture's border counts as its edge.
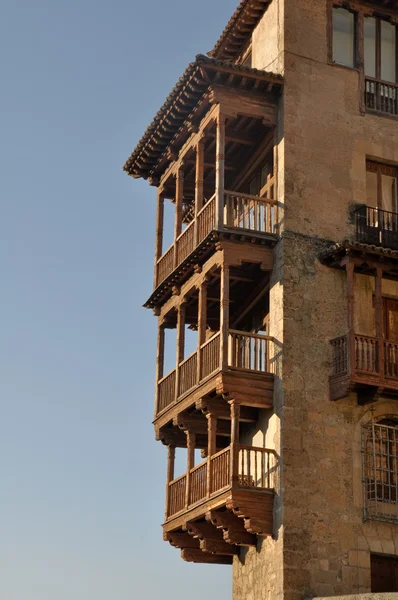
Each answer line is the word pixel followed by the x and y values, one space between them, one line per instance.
pixel 391 319
pixel 384 573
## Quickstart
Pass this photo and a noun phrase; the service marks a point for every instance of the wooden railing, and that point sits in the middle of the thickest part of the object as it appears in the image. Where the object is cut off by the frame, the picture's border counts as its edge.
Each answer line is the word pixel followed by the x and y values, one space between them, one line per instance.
pixel 340 355
pixel 198 477
pixel 186 242
pixel 220 469
pixel 166 391
pixel 391 359
pixel 381 96
pixel 254 468
pixel 210 356
pixel 176 496
pixel 366 358
pixel 240 211
pixel 249 351
pixel 165 265
pixel 251 213
pixel 246 351
pixel 206 219
pixel 188 374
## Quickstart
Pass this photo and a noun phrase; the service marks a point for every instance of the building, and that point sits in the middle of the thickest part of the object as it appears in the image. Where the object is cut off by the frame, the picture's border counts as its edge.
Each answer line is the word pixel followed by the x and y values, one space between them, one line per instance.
pixel 279 152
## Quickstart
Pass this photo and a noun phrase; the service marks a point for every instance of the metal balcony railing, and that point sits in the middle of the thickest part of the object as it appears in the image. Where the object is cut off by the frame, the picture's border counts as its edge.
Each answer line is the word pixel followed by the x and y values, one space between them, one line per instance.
pixel 376 226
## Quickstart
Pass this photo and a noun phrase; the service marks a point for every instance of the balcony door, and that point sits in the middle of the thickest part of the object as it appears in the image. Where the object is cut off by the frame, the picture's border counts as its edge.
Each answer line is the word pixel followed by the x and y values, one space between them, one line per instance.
pixel 381 186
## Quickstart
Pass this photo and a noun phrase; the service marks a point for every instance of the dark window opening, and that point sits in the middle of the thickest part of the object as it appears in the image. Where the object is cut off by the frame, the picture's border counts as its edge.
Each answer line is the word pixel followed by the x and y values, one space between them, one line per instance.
pixel 384 573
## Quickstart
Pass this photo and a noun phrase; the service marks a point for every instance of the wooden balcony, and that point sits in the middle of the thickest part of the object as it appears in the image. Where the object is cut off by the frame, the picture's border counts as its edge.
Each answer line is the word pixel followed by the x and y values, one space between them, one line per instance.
pixel 247 374
pixel 222 503
pixel 358 363
pixel 241 213
pixel 376 227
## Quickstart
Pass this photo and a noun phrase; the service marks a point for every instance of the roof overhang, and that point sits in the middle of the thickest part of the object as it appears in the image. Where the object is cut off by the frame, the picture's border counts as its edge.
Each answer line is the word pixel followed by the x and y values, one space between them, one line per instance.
pixel 181 104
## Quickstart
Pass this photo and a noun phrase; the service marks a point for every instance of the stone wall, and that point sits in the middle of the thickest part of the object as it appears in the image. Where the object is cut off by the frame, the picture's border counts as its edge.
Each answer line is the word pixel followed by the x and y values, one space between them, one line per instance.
pixel 322 546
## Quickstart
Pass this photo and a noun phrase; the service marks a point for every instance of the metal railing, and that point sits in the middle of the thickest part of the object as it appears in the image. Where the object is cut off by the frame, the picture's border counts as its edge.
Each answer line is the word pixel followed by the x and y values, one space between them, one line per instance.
pixel 381 96
pixel 376 226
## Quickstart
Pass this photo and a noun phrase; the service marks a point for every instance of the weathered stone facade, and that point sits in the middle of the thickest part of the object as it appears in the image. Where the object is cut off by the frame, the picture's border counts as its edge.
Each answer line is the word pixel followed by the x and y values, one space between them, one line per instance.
pixel 321 544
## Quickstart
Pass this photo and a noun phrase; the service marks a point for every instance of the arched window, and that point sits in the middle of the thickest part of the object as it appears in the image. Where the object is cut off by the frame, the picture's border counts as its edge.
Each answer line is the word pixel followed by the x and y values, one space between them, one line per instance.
pixel 380 469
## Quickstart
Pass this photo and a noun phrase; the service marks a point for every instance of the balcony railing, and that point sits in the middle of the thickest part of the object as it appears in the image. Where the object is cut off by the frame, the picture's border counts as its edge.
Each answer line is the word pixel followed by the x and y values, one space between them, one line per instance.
pixel 376 226
pixel 246 352
pixel 381 96
pixel 367 357
pixel 236 466
pixel 240 211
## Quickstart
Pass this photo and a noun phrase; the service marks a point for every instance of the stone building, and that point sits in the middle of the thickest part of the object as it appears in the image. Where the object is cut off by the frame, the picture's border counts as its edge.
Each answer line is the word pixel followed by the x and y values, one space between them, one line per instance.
pixel 278 152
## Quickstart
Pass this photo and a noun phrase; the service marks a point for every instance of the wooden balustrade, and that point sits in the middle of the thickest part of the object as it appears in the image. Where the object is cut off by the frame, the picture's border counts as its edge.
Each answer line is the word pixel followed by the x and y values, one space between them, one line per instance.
pixel 188 374
pixel 198 477
pixel 249 351
pixel 186 243
pixel 220 470
pixel 166 391
pixel 165 265
pixel 340 355
pixel 255 468
pixel 391 359
pixel 242 211
pixel 210 356
pixel 381 96
pixel 206 219
pixel 366 354
pixel 176 496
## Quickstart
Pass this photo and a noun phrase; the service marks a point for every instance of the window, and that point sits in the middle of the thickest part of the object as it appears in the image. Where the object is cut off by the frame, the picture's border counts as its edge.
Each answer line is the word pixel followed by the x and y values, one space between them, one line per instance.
pixel 381 186
pixel 380 466
pixel 344 37
pixel 384 573
pixel 380 49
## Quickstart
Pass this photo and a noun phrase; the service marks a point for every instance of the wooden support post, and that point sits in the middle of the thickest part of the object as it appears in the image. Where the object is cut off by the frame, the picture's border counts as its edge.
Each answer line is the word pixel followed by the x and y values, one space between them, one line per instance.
pixel 159 233
pixel 159 363
pixel 171 454
pixel 202 323
pixel 178 213
pixel 224 316
pixel 199 183
pixel 211 448
pixel 220 169
pixel 191 439
pixel 350 317
pixel 379 323
pixel 180 345
pixel 234 458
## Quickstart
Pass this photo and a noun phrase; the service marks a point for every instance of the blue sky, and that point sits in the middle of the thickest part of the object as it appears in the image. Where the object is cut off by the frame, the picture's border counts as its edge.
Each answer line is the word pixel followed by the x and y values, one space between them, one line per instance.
pixel 82 479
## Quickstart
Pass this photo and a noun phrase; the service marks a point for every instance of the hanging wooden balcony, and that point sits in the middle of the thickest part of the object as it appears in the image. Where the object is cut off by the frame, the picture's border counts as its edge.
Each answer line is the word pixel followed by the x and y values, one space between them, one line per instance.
pixel 222 503
pixel 368 371
pixel 247 374
pixel 381 96
pixel 241 213
pixel 376 227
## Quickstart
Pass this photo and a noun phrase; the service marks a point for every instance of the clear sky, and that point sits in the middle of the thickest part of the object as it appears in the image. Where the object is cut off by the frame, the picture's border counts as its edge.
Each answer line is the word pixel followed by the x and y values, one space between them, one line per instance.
pixel 81 477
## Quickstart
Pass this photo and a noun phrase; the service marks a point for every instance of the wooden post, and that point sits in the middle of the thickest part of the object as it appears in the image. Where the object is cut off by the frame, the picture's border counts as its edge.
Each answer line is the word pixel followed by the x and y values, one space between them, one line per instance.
pixel 180 345
pixel 191 439
pixel 211 448
pixel 171 454
pixel 224 316
pixel 199 183
pixel 234 458
pixel 379 322
pixel 350 317
pixel 220 169
pixel 178 213
pixel 159 233
pixel 159 363
pixel 202 323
